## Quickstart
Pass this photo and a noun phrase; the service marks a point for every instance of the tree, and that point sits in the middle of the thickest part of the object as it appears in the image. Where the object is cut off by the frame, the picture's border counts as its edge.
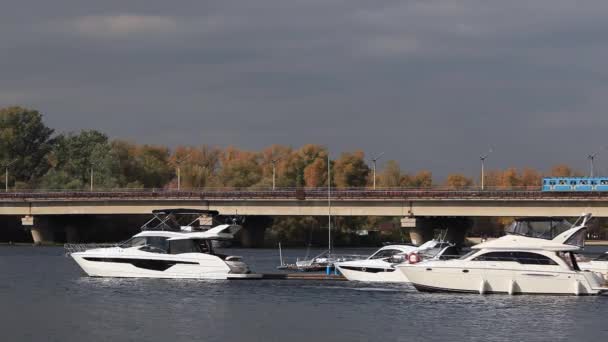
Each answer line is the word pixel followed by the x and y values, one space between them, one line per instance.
pixel 390 176
pixel 74 155
pixel 561 170
pixel 315 174
pixel 530 178
pixel 350 170
pixel 25 139
pixel 239 169
pixel 197 165
pixel 458 181
pixel 423 179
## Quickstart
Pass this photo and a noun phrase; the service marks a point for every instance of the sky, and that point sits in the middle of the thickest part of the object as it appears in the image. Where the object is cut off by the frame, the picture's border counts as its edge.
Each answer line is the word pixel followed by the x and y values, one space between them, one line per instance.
pixel 432 83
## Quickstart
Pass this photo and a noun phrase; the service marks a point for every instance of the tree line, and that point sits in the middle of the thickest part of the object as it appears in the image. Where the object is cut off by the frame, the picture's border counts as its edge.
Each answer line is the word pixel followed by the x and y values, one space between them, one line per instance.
pixel 40 158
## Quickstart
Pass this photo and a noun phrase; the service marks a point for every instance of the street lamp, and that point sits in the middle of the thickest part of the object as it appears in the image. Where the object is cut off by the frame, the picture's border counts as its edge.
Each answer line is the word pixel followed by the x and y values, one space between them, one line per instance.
pixel 374 160
pixel 178 163
pixel 483 158
pixel 274 171
pixel 591 158
pixel 6 166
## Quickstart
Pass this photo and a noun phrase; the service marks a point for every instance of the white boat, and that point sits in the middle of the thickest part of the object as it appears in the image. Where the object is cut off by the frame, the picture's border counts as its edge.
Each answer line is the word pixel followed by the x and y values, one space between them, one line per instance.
pixel 598 265
pixel 167 250
pixel 380 266
pixel 512 264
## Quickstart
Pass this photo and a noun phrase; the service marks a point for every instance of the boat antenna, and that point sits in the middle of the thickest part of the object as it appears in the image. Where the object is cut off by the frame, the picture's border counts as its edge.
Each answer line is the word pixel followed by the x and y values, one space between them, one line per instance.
pixel 329 203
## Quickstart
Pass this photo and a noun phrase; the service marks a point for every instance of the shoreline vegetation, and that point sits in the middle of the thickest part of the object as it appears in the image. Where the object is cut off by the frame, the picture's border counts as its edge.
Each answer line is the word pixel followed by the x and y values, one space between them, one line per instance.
pixel 37 157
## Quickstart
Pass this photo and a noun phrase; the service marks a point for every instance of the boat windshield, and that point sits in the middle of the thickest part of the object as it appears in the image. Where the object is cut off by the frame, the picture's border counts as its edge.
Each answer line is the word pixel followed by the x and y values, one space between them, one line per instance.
pixel 543 228
pixel 385 253
pixel 473 251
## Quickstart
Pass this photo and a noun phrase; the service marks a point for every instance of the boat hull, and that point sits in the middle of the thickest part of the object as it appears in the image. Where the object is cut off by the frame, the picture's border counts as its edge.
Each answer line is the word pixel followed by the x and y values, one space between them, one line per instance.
pixel 167 266
pixel 371 273
pixel 434 278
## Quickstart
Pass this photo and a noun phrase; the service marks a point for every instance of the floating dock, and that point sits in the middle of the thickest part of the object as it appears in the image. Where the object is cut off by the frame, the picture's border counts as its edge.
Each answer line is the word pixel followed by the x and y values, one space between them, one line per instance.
pixel 301 276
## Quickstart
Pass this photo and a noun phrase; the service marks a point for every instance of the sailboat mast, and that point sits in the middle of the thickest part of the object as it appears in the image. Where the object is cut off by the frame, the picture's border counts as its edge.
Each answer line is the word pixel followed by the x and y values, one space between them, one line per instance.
pixel 329 203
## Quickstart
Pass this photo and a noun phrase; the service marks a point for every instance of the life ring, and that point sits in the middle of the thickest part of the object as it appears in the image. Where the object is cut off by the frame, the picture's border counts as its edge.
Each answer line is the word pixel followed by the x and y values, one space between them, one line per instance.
pixel 413 258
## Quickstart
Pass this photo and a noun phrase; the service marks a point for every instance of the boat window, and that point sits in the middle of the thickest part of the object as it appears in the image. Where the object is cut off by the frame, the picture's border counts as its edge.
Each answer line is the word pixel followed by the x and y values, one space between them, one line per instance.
pixel 155 244
pixel 133 242
pixel 525 258
pixel 184 246
pixel 386 253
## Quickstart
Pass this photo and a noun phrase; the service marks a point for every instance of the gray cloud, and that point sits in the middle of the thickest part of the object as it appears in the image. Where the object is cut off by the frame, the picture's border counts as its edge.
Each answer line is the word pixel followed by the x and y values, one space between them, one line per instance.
pixel 432 83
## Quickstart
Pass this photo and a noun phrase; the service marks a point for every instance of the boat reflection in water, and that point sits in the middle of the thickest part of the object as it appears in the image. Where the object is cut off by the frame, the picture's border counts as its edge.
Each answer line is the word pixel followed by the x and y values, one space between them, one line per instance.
pixel 513 264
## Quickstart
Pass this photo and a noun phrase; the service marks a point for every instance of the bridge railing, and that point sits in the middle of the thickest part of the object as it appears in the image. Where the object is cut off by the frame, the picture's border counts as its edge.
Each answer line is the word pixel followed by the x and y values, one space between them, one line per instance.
pixel 295 193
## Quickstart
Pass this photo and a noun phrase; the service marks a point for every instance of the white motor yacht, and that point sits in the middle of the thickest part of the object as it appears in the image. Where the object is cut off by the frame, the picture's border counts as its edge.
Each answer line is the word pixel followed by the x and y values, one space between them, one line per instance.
pixel 512 264
pixel 166 250
pixel 598 265
pixel 380 266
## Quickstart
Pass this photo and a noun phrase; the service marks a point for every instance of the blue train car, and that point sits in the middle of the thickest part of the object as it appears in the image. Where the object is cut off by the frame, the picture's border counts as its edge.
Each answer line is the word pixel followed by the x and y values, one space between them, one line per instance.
pixel 575 184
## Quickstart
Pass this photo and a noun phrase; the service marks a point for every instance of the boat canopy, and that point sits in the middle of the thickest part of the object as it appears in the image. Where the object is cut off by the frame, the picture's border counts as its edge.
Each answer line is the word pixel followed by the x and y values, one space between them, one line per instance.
pixel 538 227
pixel 221 232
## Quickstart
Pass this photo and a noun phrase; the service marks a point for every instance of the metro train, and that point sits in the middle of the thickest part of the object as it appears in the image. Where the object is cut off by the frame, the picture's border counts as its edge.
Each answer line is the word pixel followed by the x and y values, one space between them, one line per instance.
pixel 575 184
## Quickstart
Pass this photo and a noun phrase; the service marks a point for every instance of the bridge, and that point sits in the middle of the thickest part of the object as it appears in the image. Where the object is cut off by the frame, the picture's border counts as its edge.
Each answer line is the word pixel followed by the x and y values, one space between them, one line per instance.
pixel 417 205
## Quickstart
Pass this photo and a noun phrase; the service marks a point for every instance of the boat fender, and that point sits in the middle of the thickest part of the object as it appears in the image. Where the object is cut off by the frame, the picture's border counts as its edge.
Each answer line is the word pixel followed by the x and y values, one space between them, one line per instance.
pixel 413 258
pixel 483 286
pixel 512 287
pixel 578 288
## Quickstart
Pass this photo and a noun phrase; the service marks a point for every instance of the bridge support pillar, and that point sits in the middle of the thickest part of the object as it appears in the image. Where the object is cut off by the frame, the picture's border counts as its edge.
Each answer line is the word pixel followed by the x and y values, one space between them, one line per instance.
pixel 41 230
pixel 454 229
pixel 422 232
pixel 254 228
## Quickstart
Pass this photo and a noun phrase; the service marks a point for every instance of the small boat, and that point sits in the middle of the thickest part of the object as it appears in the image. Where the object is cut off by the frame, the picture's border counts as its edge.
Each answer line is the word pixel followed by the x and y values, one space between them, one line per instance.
pixel 380 266
pixel 320 262
pixel 598 265
pixel 166 249
pixel 513 264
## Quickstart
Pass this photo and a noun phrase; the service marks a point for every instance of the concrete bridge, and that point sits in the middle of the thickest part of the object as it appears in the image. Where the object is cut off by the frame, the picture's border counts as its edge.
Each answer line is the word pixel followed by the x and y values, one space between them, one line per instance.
pixel 420 204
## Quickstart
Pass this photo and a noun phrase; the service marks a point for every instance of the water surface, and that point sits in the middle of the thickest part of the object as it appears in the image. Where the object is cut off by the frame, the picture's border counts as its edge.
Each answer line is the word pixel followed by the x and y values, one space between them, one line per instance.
pixel 44 296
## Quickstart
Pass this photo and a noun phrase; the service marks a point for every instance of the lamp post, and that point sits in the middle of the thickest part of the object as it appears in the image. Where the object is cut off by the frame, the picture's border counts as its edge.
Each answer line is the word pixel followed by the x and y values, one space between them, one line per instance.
pixel 328 205
pixel 91 187
pixel 6 166
pixel 374 160
pixel 274 171
pixel 591 158
pixel 178 163
pixel 483 158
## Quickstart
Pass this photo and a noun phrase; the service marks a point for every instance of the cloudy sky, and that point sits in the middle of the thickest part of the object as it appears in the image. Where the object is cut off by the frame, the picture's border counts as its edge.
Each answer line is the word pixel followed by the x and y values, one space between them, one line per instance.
pixel 433 83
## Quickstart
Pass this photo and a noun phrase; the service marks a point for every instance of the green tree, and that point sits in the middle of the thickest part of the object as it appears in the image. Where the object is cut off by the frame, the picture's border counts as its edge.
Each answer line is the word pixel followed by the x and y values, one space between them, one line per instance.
pixel 74 155
pixel 26 140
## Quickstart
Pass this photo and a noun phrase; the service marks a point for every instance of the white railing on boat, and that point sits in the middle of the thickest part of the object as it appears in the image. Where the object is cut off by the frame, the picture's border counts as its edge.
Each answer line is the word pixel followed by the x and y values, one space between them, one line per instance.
pixel 81 247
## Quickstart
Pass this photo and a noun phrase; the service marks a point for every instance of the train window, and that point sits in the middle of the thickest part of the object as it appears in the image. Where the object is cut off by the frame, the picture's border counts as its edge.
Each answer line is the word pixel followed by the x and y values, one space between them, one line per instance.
pixel 545 182
pixel 552 182
pixel 583 182
pixel 603 182
pixel 562 182
pixel 593 182
pixel 572 182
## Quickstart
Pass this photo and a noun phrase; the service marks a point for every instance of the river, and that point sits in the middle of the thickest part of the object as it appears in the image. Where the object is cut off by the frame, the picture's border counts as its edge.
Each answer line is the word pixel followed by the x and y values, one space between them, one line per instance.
pixel 45 297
